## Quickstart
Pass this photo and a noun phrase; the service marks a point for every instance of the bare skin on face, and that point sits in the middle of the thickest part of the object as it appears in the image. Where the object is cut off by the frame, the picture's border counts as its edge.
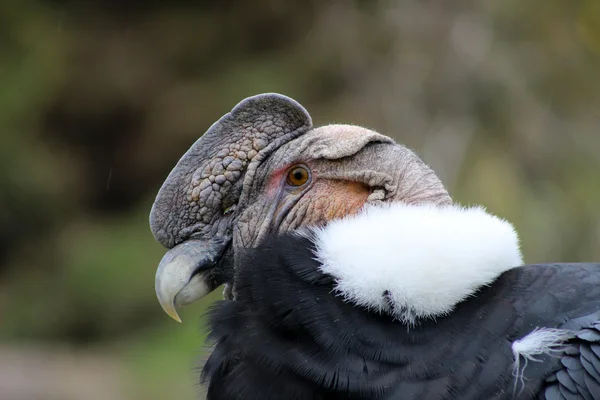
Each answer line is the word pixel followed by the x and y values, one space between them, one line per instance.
pixel 326 200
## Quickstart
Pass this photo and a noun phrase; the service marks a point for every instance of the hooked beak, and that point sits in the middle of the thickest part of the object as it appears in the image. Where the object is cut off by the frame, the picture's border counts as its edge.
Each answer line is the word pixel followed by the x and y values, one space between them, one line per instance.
pixel 188 272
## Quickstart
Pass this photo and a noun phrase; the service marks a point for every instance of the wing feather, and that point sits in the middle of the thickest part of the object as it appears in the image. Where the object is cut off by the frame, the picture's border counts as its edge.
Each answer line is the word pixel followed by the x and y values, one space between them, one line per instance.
pixel 579 377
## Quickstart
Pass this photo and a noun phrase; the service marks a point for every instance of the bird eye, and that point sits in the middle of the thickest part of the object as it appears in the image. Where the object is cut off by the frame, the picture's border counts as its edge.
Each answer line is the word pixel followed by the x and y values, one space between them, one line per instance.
pixel 298 176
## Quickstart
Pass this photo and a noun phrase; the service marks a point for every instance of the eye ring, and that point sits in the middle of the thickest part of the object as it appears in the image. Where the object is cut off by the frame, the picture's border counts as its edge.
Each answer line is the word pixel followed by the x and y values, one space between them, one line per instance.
pixel 298 175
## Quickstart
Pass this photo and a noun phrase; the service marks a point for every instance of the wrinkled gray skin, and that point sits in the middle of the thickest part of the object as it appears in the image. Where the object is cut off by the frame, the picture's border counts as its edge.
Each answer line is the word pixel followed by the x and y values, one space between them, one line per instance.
pixel 230 189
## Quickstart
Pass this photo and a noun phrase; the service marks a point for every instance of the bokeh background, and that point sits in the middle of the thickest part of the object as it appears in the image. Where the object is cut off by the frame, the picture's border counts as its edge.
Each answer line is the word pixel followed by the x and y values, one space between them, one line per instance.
pixel 99 99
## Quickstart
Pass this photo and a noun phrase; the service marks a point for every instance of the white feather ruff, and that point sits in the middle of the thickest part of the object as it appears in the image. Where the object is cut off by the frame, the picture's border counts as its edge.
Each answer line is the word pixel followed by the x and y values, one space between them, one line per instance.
pixel 424 258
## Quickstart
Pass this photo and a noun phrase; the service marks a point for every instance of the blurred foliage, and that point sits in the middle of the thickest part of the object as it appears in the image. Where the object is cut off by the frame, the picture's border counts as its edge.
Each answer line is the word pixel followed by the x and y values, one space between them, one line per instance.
pixel 99 99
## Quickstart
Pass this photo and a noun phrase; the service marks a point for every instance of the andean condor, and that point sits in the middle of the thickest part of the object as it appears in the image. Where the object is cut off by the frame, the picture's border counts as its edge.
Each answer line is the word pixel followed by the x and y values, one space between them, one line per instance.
pixel 350 274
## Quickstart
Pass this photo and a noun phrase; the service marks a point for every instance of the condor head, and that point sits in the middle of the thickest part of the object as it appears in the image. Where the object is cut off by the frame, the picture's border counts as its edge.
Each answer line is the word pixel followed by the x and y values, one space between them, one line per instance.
pixel 262 168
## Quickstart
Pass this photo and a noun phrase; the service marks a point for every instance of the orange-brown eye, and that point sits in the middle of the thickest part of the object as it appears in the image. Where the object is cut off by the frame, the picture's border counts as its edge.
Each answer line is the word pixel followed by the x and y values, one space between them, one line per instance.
pixel 298 176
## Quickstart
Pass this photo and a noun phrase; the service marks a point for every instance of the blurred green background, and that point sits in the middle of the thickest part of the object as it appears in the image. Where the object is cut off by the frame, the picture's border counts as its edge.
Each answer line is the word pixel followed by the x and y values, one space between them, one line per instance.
pixel 99 99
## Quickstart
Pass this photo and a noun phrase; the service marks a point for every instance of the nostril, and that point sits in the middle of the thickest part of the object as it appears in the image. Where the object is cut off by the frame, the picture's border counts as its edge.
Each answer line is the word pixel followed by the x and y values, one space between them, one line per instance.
pixel 229 210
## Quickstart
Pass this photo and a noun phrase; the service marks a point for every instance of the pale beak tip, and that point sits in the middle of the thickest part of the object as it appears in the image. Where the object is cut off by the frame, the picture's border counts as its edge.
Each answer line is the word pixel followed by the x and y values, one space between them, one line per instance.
pixel 180 277
pixel 171 312
pixel 175 317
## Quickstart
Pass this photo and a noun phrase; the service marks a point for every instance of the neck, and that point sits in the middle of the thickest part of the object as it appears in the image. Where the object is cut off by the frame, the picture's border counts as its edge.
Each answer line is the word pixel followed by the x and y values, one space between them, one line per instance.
pixel 285 323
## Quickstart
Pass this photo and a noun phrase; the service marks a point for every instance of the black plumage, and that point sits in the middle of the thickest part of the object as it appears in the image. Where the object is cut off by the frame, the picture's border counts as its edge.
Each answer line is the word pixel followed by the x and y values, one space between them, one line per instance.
pixel 288 336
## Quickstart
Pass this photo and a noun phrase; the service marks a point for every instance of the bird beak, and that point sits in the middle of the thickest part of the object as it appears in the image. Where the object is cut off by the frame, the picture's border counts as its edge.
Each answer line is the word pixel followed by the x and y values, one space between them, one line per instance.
pixel 187 273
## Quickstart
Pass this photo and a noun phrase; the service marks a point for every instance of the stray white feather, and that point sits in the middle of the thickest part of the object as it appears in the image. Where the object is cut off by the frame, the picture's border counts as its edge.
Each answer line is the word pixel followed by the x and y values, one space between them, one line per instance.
pixel 415 261
pixel 541 341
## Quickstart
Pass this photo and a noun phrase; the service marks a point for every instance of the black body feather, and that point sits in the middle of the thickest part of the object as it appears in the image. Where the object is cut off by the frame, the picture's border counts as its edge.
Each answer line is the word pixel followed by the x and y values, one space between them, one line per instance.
pixel 287 336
